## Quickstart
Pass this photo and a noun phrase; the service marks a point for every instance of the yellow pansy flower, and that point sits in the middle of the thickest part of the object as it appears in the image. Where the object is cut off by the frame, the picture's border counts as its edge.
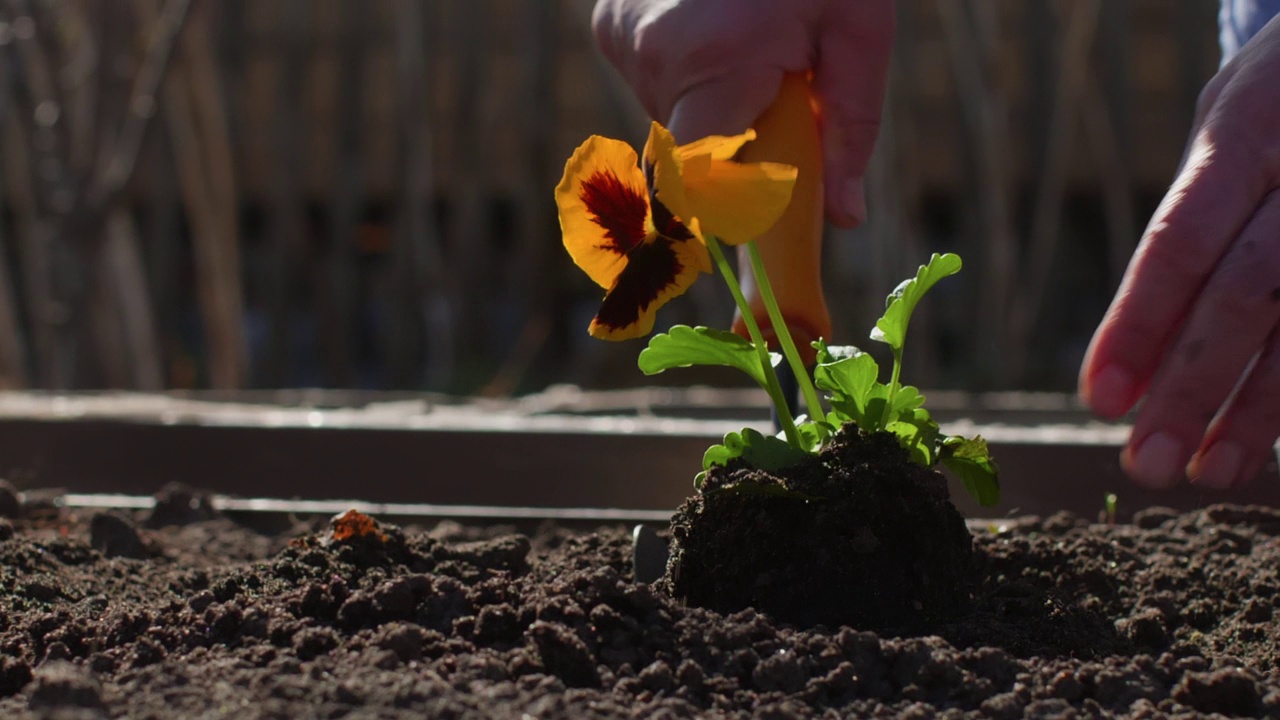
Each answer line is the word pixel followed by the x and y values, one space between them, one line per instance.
pixel 621 224
pixel 736 202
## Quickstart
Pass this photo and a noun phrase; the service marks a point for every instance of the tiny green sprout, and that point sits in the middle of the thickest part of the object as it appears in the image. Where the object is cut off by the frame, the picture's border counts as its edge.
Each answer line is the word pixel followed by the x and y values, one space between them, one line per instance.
pixel 1109 504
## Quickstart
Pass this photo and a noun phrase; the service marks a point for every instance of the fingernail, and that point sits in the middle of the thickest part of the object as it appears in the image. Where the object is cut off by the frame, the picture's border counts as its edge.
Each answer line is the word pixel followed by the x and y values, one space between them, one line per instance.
pixel 1110 391
pixel 1156 462
pixel 855 201
pixel 1216 468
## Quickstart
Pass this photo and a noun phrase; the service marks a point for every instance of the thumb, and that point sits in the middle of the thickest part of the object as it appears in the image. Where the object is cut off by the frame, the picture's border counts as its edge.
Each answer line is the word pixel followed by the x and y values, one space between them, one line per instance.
pixel 850 77
pixel 725 105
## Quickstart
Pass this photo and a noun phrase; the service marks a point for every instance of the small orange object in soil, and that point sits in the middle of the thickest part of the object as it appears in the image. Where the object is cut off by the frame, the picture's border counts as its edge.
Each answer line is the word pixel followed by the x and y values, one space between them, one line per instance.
pixel 353 524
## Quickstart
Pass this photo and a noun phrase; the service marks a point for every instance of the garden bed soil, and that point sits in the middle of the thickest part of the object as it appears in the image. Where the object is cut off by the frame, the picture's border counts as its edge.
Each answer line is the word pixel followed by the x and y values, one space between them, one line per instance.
pixel 184 613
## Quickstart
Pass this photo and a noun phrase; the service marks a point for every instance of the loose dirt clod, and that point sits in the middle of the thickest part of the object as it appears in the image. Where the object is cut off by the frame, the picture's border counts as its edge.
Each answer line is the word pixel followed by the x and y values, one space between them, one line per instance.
pixel 116 535
pixel 10 501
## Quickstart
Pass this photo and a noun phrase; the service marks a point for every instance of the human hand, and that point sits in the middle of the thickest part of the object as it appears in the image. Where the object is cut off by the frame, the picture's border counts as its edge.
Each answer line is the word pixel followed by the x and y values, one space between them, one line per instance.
pixel 1197 312
pixel 711 67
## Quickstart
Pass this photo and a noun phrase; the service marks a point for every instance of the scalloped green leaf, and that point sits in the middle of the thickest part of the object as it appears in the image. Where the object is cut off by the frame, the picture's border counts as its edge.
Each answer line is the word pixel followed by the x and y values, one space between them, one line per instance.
pixel 892 327
pixel 758 450
pixel 852 377
pixel 813 434
pixel 684 346
pixel 832 353
pixel 918 433
pixel 970 460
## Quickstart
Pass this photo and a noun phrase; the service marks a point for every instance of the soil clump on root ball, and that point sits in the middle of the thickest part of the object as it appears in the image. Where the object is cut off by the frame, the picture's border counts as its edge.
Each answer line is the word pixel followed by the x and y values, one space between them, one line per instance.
pixel 858 535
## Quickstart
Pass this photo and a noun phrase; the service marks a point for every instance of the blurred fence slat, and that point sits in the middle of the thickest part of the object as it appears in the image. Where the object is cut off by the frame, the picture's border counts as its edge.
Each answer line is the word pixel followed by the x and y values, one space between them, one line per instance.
pixel 193 116
pixel 419 308
pixel 161 237
pixel 286 233
pixel 1080 20
pixel 530 270
pixel 470 245
pixel 347 199
pixel 30 234
pixel 128 282
pixel 968 37
pixel 13 346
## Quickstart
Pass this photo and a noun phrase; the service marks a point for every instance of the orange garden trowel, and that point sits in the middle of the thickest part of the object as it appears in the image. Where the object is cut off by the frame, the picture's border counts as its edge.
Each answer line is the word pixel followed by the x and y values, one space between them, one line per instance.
pixel 787 133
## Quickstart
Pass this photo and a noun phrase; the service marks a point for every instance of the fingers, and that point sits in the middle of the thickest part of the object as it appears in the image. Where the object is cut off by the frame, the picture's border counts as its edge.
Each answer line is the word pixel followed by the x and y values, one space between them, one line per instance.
pixel 850 75
pixel 1230 164
pixel 688 53
pixel 1243 437
pixel 1234 314
pixel 1216 193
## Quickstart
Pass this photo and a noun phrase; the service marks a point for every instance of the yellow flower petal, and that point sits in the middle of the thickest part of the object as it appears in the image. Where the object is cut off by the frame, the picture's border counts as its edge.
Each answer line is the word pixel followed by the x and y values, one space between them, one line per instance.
pixel 663 162
pixel 737 202
pixel 656 272
pixel 719 147
pixel 604 207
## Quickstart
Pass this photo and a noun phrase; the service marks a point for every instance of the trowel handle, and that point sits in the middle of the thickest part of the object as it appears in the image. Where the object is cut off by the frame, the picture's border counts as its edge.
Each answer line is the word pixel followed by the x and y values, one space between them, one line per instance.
pixel 787 133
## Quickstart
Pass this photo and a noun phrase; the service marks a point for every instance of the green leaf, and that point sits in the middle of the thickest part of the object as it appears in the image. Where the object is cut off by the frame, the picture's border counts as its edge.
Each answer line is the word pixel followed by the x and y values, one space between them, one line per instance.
pixel 838 418
pixel 892 327
pixel 719 455
pixel 850 376
pixel 764 452
pixel 813 434
pixel 684 346
pixel 918 433
pixel 756 449
pixel 908 398
pixel 971 461
pixel 832 353
pixel 869 412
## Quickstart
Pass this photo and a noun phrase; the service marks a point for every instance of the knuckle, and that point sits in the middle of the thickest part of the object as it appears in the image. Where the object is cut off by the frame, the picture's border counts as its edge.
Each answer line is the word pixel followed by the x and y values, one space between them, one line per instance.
pixel 683 44
pixel 651 49
pixel 1252 423
pixel 1243 133
pixel 1135 336
pixel 1238 303
pixel 1209 94
pixel 1172 252
pixel 1264 379
pixel 1187 399
pixel 602 25
pixel 1244 291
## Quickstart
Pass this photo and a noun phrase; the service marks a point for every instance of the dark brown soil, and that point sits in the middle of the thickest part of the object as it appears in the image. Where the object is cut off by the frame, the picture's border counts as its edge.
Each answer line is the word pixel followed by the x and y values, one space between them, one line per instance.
pixel 858 535
pixel 115 616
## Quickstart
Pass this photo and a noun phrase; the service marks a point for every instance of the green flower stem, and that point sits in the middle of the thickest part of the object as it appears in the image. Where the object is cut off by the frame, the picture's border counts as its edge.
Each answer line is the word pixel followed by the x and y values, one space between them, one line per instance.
pixel 783 333
pixel 772 387
pixel 893 386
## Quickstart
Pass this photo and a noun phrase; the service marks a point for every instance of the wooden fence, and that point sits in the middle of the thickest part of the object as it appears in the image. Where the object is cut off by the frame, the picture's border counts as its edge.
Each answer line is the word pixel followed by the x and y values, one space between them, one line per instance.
pixel 357 193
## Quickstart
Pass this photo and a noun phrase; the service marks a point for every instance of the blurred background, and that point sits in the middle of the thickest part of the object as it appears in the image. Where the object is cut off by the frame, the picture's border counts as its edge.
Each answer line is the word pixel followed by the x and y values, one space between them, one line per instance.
pixel 238 194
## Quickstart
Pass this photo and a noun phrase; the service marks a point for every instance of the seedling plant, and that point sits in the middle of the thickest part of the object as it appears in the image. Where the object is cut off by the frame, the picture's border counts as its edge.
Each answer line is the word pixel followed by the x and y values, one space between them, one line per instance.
pixel 646 233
